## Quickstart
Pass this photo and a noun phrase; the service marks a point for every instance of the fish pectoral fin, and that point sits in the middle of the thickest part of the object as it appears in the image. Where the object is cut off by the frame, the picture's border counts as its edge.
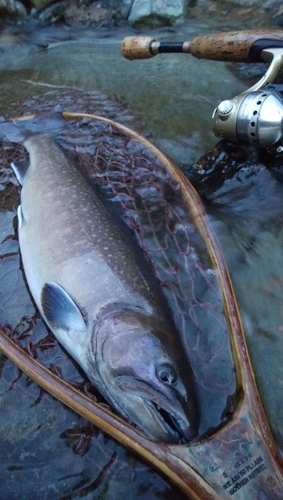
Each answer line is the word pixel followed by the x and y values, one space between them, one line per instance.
pixel 20 169
pixel 60 310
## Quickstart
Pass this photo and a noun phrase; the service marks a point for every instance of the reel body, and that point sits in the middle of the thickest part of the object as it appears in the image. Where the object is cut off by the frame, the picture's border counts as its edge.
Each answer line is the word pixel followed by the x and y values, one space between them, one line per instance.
pixel 255 118
pixel 256 115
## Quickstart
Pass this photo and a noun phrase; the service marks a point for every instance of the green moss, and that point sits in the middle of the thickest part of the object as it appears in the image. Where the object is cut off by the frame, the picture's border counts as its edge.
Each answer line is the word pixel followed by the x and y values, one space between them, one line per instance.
pixel 41 4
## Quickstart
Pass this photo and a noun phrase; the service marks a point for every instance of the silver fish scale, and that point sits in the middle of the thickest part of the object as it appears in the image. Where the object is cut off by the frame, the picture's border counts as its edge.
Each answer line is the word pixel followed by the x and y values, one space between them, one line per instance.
pixel 72 236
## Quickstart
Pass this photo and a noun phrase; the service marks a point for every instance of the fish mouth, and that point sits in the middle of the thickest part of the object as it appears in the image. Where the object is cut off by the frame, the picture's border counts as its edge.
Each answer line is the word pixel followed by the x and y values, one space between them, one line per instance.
pixel 163 419
pixel 167 421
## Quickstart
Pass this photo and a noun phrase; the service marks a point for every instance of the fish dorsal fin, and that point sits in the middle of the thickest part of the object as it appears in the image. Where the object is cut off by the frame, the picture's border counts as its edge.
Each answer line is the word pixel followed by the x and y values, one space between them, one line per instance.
pixel 20 169
pixel 60 310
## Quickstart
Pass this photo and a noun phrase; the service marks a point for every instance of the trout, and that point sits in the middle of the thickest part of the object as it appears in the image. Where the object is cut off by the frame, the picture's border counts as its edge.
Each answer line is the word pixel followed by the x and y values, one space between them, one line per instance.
pixel 96 292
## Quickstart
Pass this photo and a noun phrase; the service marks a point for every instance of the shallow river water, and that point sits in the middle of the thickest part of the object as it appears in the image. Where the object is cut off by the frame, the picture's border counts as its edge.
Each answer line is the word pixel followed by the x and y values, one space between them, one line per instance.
pixel 174 95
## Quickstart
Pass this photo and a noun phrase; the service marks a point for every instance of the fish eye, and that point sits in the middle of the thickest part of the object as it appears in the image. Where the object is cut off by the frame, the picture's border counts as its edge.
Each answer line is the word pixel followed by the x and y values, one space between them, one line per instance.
pixel 167 374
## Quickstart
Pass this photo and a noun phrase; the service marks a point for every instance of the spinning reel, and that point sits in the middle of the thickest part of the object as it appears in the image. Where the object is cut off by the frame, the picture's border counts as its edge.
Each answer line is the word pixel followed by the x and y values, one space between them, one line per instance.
pixel 254 116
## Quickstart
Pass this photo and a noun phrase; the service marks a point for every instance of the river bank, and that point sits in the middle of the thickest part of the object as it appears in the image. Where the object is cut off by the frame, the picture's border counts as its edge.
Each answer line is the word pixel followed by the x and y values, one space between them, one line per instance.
pixel 140 14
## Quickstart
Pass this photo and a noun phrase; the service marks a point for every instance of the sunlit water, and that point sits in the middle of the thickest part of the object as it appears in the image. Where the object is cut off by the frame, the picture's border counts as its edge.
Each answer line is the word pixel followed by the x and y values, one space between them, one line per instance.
pixel 174 95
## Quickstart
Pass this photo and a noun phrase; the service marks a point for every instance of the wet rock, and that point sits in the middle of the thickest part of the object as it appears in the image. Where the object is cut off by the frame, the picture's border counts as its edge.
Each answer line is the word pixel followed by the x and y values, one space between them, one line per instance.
pixel 243 3
pixel 54 12
pixel 90 13
pixel 253 3
pixel 12 8
pixel 274 8
pixel 121 8
pixel 276 12
pixel 41 4
pixel 155 13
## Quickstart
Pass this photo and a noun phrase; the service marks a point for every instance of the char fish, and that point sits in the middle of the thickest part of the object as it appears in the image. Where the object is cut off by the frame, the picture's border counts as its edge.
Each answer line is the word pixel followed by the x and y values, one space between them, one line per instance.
pixel 95 291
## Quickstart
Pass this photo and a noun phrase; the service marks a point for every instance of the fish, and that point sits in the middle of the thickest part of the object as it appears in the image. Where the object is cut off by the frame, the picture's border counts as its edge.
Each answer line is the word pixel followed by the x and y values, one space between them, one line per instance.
pixel 95 290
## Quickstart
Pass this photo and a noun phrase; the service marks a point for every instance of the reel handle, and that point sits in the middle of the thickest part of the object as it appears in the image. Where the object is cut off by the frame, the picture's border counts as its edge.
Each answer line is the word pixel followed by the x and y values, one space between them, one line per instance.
pixel 243 46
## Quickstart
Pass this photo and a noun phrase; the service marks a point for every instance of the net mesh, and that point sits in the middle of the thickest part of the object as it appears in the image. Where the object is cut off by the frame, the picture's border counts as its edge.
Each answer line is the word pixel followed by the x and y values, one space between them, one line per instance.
pixel 143 192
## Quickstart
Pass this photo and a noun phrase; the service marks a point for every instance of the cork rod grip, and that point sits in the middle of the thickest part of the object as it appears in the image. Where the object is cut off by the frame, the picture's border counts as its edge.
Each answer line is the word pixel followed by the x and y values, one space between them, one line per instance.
pixel 231 46
pixel 137 47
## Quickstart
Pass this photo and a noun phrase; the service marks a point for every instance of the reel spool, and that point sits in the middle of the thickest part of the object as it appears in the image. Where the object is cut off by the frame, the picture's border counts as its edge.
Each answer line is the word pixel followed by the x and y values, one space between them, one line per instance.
pixel 256 119
pixel 256 115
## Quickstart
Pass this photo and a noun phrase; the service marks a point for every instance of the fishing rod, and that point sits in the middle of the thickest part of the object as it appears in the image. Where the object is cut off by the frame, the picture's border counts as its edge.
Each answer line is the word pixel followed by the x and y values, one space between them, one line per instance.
pixel 256 115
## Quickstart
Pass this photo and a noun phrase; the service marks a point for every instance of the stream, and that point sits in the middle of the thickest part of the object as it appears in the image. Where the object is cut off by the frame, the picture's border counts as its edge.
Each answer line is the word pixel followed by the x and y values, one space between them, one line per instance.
pixel 173 96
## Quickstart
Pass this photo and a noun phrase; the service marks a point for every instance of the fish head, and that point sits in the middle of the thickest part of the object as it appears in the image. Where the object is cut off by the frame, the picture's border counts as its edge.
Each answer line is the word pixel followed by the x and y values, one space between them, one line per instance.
pixel 143 378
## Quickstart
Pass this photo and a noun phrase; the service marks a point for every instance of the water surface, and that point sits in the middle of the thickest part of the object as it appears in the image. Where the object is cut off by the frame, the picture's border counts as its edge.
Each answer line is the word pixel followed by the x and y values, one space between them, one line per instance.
pixel 174 95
